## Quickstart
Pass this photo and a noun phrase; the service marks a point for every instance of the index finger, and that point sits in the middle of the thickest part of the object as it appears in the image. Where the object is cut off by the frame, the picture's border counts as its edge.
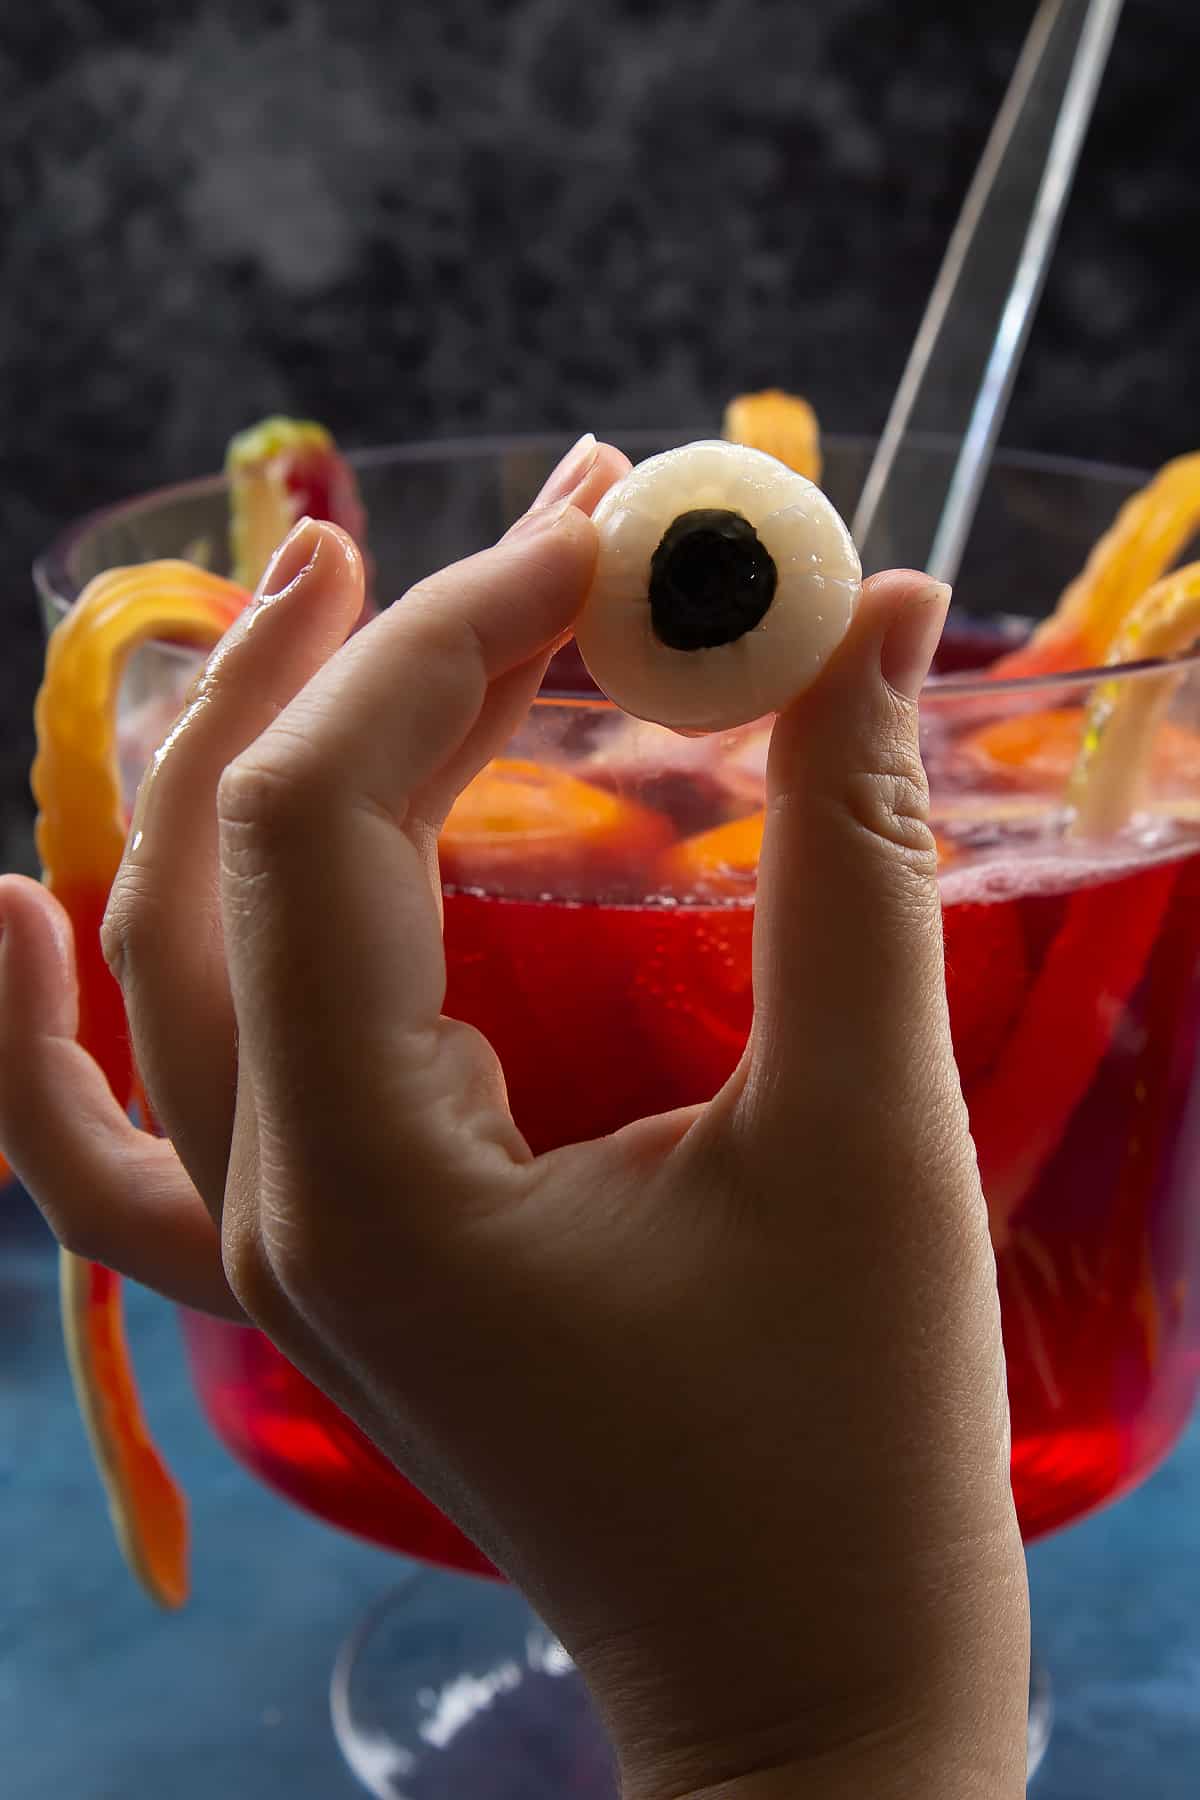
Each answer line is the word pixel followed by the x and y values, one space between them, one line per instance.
pixel 332 920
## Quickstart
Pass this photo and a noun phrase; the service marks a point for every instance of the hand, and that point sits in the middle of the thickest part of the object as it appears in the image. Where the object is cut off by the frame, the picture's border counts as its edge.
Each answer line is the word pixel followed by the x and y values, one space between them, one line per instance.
pixel 724 1393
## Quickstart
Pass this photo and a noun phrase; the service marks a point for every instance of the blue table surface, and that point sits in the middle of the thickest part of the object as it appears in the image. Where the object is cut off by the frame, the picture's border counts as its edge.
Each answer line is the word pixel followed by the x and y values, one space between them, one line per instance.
pixel 102 1697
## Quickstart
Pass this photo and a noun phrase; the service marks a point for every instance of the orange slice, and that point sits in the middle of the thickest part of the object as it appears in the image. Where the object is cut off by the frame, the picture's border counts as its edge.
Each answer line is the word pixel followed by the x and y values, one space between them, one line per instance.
pixel 783 425
pixel 720 864
pixel 1039 750
pixel 527 826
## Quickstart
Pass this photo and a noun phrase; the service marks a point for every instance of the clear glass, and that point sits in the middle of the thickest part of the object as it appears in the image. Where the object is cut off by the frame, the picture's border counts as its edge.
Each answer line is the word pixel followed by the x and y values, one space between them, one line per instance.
pixel 609 963
pixel 968 349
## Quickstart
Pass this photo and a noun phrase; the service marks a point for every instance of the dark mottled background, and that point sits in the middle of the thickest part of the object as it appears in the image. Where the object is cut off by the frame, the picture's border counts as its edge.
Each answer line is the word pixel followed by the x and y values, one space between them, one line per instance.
pixel 422 218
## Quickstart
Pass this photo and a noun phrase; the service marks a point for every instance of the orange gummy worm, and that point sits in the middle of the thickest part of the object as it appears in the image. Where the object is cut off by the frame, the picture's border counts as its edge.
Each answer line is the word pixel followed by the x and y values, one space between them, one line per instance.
pixel 1149 532
pixel 80 838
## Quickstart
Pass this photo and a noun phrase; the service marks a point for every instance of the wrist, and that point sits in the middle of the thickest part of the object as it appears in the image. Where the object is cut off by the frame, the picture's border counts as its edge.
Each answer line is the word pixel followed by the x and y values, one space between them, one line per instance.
pixel 962 1746
pixel 789 1702
pixel 896 1768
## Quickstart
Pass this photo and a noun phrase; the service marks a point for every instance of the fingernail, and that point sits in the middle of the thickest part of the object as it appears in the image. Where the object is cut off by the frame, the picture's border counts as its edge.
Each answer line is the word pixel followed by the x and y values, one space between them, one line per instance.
pixel 294 558
pixel 567 475
pixel 912 639
pixel 539 519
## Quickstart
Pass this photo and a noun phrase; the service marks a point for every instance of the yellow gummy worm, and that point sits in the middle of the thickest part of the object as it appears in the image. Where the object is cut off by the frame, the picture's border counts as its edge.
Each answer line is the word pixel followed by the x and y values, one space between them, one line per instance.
pixel 1123 715
pixel 262 508
pixel 80 837
pixel 1149 532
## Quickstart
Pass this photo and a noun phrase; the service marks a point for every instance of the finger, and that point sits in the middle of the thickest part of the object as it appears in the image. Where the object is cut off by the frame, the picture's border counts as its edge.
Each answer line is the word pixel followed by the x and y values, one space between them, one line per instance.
pixel 109 1192
pixel 584 477
pixel 324 879
pixel 165 891
pixel 849 976
pixel 162 931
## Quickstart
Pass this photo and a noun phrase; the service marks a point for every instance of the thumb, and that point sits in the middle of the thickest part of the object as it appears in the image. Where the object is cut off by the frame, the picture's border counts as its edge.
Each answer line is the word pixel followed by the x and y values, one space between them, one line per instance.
pixel 849 980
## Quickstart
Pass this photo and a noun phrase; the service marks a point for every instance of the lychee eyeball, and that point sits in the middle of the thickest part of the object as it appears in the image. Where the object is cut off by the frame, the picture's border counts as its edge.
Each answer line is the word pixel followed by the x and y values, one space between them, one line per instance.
pixel 724 582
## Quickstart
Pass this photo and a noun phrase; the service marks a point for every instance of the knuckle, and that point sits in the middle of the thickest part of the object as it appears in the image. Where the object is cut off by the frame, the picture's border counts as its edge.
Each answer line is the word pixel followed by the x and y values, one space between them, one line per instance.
pixel 248 1270
pixel 313 1271
pixel 77 1235
pixel 295 1245
pixel 448 638
pixel 271 791
pixel 113 932
pixel 293 1260
pixel 888 797
pixel 131 930
pixel 894 808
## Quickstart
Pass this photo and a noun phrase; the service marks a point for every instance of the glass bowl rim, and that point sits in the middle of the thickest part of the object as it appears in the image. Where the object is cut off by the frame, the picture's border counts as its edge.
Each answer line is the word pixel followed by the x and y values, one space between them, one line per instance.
pixel 50 577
